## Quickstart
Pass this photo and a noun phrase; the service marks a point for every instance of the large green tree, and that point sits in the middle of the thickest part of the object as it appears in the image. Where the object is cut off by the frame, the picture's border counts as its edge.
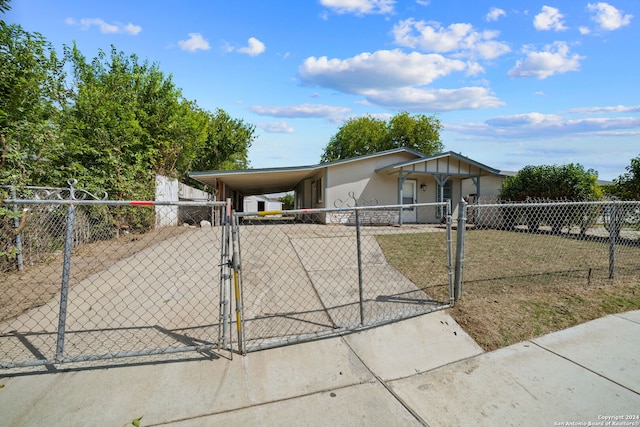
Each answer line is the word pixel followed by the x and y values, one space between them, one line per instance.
pixel 112 124
pixel 365 135
pixel 627 185
pixel 31 94
pixel 227 143
pixel 553 182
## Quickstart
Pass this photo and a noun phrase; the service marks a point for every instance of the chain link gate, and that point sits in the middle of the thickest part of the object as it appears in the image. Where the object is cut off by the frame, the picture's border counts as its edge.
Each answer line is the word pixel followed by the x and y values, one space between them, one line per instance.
pixel 310 273
pixel 85 278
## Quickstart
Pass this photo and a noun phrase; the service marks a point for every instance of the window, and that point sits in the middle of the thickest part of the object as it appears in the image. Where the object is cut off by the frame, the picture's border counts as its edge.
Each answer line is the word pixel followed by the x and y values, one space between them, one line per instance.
pixel 446 195
pixel 446 192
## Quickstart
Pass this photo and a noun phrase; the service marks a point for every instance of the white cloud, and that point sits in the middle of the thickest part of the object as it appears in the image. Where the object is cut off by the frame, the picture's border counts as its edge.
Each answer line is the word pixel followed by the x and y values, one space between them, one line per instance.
pixel 276 127
pixel 423 2
pixel 584 30
pixel 549 19
pixel 194 42
pixel 555 59
pixel 610 109
pixel 384 69
pixel 459 38
pixel 104 27
pixel 397 79
pixel 538 125
pixel 495 14
pixel 360 7
pixel 418 99
pixel 608 17
pixel 300 111
pixel 254 47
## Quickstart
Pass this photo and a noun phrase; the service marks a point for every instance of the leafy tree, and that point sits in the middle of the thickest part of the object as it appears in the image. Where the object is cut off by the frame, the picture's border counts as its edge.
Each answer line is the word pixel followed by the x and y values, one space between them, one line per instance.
pixel 358 136
pixel 419 132
pixel 545 183
pixel 288 201
pixel 227 143
pixel 31 91
pixel 365 135
pixel 627 185
pixel 569 182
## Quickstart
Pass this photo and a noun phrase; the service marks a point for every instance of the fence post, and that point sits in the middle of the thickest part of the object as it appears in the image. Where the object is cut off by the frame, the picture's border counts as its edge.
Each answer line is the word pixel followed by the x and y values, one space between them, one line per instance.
pixel 450 252
pixel 614 231
pixel 64 290
pixel 237 283
pixel 16 223
pixel 462 225
pixel 360 285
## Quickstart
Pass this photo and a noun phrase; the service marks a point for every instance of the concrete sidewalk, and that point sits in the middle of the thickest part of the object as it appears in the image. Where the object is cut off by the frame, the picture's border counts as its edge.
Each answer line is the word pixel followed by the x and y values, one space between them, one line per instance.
pixel 421 371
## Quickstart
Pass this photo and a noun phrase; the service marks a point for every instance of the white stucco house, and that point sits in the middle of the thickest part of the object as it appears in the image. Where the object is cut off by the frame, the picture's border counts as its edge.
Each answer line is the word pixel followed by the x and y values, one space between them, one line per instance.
pixel 398 176
pixel 260 203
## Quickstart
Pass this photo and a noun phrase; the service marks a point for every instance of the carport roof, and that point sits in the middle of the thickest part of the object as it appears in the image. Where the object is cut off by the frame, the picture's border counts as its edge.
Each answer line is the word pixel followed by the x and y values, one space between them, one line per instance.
pixel 258 181
pixel 276 180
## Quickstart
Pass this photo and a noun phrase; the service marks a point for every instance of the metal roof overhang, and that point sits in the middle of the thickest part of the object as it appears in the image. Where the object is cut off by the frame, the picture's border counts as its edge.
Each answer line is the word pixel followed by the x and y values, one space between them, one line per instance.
pixel 255 182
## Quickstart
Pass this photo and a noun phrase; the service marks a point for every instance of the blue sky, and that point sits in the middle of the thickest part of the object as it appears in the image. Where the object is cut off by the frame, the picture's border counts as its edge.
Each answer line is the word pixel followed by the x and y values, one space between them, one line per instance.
pixel 514 83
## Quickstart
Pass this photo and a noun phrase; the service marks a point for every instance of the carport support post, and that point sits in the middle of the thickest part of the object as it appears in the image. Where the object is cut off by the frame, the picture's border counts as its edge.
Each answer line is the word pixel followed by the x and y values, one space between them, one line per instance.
pixel 64 290
pixel 360 288
pixel 462 225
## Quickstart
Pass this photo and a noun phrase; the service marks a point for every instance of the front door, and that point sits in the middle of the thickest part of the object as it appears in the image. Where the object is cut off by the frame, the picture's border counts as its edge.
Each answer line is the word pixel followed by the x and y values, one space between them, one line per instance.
pixel 409 198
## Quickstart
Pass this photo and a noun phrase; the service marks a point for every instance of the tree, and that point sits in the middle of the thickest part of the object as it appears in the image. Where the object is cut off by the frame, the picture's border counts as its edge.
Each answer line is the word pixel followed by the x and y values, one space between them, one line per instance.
pixel 31 92
pixel 227 143
pixel 551 183
pixel 358 136
pixel 288 201
pixel 569 182
pixel 366 135
pixel 419 132
pixel 627 185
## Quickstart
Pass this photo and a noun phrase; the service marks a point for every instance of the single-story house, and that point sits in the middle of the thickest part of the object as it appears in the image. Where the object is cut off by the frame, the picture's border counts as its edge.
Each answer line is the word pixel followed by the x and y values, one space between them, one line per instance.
pixel 392 177
pixel 260 203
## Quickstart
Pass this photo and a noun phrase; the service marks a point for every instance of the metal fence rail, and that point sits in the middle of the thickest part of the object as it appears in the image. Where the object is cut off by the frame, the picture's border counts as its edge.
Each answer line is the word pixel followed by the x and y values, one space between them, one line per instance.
pixel 552 242
pixel 99 279
pixel 303 278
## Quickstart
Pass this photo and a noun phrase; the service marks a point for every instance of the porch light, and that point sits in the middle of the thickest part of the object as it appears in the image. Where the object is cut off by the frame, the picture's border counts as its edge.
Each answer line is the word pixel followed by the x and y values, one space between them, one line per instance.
pixel 423 187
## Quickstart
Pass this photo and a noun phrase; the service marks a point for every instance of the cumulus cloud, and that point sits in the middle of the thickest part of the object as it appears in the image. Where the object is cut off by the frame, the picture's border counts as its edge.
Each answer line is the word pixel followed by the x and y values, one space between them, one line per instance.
pixel 276 127
pixel 105 27
pixel 254 47
pixel 608 17
pixel 495 14
pixel 383 69
pixel 459 38
pixel 300 111
pixel 359 7
pixel 397 79
pixel 420 99
pixel 194 42
pixel 554 59
pixel 549 19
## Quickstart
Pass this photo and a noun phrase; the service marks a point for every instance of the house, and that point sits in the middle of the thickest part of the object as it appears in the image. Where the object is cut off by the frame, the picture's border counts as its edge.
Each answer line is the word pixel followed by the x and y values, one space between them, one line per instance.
pixel 392 177
pixel 260 203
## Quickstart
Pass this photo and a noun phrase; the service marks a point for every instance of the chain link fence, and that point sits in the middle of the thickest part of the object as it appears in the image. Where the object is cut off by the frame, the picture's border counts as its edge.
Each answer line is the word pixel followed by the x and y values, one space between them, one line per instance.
pixel 552 243
pixel 85 279
pixel 315 272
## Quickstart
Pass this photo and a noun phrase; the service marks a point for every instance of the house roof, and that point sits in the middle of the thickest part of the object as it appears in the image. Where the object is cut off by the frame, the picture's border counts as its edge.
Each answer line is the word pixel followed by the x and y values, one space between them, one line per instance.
pixel 432 165
pixel 276 180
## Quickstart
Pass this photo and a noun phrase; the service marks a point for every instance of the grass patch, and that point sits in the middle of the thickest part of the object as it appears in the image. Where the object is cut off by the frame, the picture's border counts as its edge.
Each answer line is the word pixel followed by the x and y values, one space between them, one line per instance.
pixel 518 286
